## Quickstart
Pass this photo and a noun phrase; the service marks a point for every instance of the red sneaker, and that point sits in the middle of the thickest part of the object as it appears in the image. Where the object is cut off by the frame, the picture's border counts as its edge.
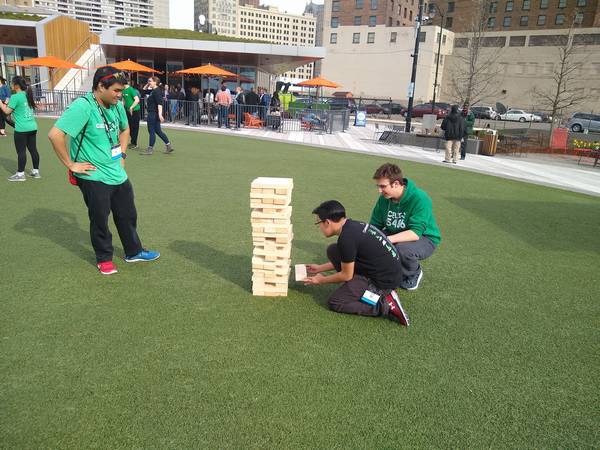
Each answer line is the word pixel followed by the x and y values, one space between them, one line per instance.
pixel 107 268
pixel 396 308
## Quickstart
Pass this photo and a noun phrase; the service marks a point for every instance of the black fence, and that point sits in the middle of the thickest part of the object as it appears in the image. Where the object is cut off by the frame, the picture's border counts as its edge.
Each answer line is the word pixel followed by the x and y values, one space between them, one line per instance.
pixel 205 113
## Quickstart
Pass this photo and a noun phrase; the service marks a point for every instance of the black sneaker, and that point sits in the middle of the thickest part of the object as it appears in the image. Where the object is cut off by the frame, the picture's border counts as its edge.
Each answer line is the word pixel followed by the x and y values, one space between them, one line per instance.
pixel 396 309
pixel 411 284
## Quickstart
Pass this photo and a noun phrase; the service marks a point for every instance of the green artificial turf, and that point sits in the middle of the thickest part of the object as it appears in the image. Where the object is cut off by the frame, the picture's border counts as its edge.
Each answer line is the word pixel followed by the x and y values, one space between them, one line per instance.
pixel 502 351
pixel 170 33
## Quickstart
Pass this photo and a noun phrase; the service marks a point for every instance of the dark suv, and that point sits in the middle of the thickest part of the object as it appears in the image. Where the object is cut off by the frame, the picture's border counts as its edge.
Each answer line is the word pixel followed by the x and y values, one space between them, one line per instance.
pixel 342 103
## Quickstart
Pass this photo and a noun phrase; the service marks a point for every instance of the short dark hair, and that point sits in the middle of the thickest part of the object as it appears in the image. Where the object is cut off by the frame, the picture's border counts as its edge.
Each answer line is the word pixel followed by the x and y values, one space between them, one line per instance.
pixel 390 171
pixel 107 76
pixel 330 210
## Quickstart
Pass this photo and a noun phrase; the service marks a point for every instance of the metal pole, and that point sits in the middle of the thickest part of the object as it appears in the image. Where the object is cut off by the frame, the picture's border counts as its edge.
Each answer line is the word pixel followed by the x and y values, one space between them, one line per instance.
pixel 411 87
pixel 437 65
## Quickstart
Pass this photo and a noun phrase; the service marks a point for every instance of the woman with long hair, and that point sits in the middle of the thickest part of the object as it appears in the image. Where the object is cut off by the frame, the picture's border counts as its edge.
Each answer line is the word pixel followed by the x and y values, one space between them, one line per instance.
pixel 154 109
pixel 21 105
pixel 4 97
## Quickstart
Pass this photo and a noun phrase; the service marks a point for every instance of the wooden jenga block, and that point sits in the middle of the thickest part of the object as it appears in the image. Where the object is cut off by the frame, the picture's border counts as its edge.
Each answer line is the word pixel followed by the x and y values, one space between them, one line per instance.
pixel 272 183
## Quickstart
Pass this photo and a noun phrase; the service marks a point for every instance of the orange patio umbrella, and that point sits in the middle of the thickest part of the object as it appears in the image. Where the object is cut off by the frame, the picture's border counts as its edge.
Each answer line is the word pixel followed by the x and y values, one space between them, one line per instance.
pixel 131 66
pixel 51 62
pixel 208 70
pixel 318 82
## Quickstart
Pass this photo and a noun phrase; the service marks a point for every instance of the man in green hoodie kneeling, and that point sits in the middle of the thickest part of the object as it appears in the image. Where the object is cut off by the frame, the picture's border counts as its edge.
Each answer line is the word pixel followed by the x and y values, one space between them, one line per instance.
pixel 404 213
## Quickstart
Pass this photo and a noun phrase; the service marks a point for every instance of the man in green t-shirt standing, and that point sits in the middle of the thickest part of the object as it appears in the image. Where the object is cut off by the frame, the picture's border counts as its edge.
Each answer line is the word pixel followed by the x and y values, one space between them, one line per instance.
pixel 404 213
pixel 131 99
pixel 97 125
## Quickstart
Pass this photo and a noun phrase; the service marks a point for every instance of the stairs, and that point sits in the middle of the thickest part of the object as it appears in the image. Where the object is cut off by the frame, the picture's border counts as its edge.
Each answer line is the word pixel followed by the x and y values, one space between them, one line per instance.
pixel 81 79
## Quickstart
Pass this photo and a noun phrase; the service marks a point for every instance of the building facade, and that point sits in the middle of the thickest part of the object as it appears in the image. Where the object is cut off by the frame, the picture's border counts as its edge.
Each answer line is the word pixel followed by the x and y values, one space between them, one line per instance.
pixel 390 13
pixel 318 12
pixel 104 14
pixel 525 61
pixel 515 15
pixel 217 16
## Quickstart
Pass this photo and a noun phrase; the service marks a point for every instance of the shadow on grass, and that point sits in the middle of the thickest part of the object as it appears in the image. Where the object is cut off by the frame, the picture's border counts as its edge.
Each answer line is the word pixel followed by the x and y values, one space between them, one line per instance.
pixel 59 227
pixel 234 268
pixel 544 225
pixel 10 165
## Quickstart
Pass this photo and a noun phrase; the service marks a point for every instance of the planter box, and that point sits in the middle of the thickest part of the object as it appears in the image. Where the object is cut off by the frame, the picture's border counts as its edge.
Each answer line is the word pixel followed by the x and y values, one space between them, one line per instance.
pixel 473 146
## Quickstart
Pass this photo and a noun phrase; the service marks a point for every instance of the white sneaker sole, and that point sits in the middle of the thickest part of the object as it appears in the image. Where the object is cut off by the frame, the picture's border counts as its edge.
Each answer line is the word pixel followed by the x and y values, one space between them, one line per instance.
pixel 140 259
pixel 416 286
pixel 394 295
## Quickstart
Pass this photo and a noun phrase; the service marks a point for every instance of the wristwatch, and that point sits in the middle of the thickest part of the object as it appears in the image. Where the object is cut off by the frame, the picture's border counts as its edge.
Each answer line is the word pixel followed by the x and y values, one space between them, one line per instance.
pixel 123 155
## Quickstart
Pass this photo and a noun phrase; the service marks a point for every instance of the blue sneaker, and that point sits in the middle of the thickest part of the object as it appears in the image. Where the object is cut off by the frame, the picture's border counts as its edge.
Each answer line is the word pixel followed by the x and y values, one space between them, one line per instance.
pixel 144 255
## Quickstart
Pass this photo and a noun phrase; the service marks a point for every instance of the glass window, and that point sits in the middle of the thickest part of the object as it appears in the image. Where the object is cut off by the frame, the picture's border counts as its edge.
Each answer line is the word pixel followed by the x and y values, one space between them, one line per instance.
pixel 422 36
pixel 493 7
pixel 509 6
pixel 450 7
pixel 370 38
pixel 491 23
pixel 526 5
pixel 335 5
pixel 562 3
pixel 578 17
pixel 410 15
pixel 360 4
pixel 356 38
pixel 448 22
pixel 506 22
pixel 581 2
pixel 560 19
pixel 333 38
pixel 393 36
pixel 524 21
pixel 335 21
pixel 543 4
pixel 541 20
pixel 372 21
pixel 374 4
pixel 357 20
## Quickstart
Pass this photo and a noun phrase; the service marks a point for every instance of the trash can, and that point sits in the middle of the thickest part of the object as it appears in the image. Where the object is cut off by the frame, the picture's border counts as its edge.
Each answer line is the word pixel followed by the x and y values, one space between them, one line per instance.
pixel 473 146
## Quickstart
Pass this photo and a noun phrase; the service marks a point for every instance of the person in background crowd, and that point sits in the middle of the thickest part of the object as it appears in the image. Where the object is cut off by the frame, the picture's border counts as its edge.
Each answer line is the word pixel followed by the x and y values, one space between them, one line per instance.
pixel 223 99
pixel 469 124
pixel 239 101
pixel 4 97
pixel 154 109
pixel 192 105
pixel 252 100
pixel 131 101
pixel 21 105
pixel 454 131
pixel 264 102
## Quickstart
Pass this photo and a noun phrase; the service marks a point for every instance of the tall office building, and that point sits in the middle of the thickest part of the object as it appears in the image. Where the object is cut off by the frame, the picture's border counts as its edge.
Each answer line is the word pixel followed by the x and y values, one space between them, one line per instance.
pixel 216 16
pixel 104 14
pixel 318 12
pixel 515 15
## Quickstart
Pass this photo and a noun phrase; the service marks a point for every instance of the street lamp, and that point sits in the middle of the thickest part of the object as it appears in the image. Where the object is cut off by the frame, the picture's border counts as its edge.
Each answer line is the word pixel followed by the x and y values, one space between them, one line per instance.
pixel 432 8
pixel 415 55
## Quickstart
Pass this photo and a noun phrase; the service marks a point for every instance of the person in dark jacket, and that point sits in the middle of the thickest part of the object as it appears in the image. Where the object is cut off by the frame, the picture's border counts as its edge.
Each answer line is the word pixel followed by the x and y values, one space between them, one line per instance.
pixel 469 124
pixel 454 131
pixel 252 101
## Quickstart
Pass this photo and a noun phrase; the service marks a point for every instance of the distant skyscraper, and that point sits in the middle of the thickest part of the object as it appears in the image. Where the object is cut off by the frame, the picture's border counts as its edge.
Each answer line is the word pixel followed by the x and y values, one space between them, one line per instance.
pixel 220 16
pixel 317 11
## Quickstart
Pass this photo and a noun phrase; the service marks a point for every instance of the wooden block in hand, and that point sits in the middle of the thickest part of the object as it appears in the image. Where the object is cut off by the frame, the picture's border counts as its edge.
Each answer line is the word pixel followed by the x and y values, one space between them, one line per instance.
pixel 300 270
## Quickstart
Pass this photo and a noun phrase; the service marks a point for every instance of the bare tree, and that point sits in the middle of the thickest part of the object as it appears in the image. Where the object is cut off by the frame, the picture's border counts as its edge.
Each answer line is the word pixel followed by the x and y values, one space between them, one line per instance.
pixel 474 71
pixel 564 92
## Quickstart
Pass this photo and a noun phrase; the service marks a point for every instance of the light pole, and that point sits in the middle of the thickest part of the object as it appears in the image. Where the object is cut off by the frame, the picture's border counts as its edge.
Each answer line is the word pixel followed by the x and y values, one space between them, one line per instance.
pixel 411 86
pixel 432 8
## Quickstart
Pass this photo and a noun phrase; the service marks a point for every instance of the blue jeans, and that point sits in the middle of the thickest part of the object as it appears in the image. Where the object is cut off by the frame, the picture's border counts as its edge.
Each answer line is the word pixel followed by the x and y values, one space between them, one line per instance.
pixel 223 115
pixel 154 128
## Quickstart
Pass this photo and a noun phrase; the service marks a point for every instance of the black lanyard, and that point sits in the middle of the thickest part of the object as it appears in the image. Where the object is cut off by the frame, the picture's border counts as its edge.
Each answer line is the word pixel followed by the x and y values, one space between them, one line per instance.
pixel 106 127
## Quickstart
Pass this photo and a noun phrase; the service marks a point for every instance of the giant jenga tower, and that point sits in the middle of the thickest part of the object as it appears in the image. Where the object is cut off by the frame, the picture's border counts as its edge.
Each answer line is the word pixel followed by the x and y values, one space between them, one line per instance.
pixel 271 218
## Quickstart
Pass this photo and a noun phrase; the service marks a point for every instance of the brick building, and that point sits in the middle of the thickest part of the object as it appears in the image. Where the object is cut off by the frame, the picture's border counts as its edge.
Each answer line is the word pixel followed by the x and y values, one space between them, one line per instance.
pixel 391 13
pixel 515 15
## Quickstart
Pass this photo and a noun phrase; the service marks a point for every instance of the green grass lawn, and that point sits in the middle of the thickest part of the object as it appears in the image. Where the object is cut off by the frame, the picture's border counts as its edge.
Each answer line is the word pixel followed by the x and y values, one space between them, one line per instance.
pixel 502 351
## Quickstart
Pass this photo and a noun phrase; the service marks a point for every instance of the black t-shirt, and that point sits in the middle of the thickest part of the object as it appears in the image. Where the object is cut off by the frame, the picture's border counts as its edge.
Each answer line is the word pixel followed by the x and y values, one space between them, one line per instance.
pixel 155 98
pixel 373 254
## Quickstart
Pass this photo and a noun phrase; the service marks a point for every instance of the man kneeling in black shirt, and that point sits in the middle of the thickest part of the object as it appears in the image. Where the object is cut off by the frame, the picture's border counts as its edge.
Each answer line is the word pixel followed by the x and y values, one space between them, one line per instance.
pixel 365 261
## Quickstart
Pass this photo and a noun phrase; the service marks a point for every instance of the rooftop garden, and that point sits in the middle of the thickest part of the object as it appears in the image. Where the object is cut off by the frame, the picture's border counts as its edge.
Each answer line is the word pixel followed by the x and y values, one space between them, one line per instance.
pixel 168 33
pixel 20 16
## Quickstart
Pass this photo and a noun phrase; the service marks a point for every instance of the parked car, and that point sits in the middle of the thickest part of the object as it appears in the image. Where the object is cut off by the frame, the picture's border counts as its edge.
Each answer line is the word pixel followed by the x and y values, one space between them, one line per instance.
pixel 546 117
pixel 584 121
pixel 342 103
pixel 520 116
pixel 372 108
pixel 393 108
pixel 484 112
pixel 441 110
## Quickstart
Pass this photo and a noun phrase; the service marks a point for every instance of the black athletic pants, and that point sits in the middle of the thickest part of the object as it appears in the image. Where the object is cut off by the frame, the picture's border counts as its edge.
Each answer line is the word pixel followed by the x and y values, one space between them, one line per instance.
pixel 25 140
pixel 134 125
pixel 100 200
pixel 346 298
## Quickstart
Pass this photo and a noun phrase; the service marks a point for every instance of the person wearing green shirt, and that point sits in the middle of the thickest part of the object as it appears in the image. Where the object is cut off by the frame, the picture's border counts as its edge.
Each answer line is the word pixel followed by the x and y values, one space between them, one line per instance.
pixel 22 105
pixel 97 126
pixel 404 213
pixel 131 100
pixel 469 124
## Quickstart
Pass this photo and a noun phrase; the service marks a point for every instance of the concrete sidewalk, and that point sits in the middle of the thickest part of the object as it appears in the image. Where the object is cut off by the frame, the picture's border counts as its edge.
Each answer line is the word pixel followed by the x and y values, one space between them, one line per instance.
pixel 544 170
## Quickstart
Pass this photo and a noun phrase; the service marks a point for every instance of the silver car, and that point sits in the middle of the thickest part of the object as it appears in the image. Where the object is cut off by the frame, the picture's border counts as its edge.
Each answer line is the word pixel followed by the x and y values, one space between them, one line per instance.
pixel 584 121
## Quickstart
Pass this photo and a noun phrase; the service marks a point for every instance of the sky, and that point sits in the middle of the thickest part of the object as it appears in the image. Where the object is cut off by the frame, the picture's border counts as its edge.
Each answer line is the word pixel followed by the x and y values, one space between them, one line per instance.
pixel 185 9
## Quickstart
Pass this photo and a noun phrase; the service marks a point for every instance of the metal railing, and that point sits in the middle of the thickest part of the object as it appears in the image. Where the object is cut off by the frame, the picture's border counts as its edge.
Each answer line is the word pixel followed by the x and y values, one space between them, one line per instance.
pixel 80 75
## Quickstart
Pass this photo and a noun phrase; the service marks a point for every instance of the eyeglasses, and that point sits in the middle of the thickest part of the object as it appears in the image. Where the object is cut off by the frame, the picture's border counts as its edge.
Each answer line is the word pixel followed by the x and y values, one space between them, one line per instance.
pixel 119 76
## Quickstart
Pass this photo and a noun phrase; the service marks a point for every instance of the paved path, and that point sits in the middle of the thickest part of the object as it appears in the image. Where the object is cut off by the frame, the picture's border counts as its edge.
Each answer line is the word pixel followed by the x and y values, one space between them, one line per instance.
pixel 547 171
